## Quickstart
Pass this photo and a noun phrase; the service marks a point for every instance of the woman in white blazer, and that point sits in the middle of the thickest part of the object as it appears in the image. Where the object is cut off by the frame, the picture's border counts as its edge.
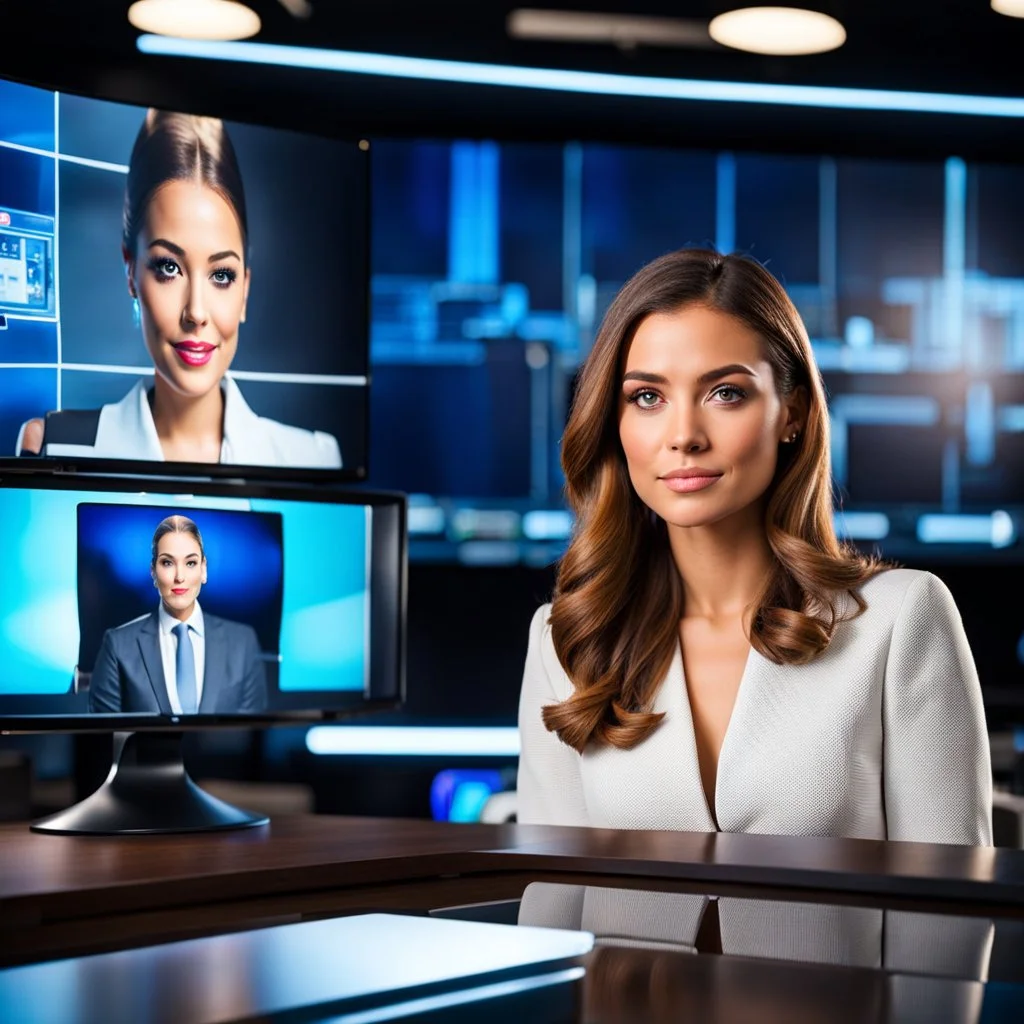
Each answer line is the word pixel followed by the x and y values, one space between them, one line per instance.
pixel 185 251
pixel 713 658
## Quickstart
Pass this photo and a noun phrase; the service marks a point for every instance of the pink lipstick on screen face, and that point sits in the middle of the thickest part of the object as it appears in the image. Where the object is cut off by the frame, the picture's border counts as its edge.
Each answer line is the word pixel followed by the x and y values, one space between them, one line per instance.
pixel 179 590
pixel 194 353
pixel 684 481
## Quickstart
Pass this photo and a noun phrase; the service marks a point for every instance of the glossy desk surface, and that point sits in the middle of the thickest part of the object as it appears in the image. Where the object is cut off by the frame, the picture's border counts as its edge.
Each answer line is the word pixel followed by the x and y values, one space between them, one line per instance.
pixel 726 927
pixel 45 875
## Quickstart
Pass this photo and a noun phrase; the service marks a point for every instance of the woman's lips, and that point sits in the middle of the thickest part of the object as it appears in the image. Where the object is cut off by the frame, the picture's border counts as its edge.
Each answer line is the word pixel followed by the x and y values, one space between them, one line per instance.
pixel 686 484
pixel 179 590
pixel 194 353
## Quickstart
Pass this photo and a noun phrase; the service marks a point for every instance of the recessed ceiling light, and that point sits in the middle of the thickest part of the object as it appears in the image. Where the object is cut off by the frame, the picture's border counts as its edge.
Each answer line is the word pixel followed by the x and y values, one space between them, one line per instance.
pixel 783 31
pixel 195 19
pixel 1011 8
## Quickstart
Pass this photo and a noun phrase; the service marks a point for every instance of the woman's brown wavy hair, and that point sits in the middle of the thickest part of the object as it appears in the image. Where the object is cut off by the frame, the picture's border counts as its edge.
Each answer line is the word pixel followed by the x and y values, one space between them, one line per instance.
pixel 618 596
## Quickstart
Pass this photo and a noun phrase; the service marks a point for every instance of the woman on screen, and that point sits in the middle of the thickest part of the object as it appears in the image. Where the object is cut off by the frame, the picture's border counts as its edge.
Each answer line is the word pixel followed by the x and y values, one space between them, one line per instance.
pixel 178 660
pixel 713 659
pixel 185 250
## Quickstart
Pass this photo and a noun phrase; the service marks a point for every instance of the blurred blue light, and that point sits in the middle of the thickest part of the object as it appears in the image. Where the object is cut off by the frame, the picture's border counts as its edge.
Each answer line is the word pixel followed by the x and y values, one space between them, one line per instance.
pixel 862 525
pixel 391 66
pixel 997 529
pixel 468 801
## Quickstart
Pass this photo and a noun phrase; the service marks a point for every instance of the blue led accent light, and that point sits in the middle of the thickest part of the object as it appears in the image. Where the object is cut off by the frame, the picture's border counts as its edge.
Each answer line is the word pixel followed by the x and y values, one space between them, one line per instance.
pixel 595 83
pixel 458 794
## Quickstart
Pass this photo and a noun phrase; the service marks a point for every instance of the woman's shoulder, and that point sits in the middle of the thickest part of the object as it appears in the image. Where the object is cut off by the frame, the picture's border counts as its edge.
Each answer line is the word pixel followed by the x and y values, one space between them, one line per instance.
pixel 306 447
pixel 257 440
pixel 542 655
pixel 901 593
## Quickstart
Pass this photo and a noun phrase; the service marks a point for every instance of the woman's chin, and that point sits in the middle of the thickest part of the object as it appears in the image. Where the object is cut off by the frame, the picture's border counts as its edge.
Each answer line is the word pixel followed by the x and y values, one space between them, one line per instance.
pixel 192 384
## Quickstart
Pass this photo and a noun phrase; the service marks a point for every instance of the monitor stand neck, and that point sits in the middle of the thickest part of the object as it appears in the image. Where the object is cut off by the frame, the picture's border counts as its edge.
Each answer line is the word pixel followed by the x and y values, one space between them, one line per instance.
pixel 147 791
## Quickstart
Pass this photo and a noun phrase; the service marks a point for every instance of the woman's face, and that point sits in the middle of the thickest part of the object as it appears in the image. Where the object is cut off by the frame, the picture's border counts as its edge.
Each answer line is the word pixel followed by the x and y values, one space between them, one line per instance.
pixel 179 573
pixel 700 420
pixel 191 283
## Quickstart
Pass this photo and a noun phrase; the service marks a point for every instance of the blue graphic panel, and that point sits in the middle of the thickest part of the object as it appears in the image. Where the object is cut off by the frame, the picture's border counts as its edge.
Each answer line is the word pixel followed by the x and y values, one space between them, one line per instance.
pixel 324 623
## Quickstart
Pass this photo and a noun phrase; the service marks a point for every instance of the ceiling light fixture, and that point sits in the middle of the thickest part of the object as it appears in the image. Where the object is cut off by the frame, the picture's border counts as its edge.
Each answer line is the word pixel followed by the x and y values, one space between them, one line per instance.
pixel 1011 8
pixel 778 31
pixel 195 19
pixel 626 31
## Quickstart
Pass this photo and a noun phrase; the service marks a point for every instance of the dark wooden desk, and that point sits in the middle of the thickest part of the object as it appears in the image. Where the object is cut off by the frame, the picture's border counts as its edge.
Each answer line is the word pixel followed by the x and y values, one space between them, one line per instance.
pixel 65 895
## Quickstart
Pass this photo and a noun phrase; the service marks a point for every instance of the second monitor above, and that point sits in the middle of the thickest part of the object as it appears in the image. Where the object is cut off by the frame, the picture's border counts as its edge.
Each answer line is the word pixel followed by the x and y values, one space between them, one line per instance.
pixel 180 292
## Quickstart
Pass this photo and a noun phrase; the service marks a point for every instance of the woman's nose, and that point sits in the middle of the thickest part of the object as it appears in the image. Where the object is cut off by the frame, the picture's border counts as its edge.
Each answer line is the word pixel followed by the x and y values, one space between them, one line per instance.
pixel 686 432
pixel 195 313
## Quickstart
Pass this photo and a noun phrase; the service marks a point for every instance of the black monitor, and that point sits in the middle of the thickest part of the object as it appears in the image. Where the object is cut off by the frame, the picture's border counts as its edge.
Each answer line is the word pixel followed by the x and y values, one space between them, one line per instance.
pixel 292 600
pixel 180 293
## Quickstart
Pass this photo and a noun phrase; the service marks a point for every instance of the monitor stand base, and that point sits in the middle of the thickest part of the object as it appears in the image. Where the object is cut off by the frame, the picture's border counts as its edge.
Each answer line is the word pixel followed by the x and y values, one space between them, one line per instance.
pixel 148 791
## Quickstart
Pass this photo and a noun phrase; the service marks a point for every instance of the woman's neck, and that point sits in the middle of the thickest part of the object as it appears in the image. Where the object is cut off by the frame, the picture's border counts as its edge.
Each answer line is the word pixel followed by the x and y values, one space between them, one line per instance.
pixel 189 429
pixel 723 566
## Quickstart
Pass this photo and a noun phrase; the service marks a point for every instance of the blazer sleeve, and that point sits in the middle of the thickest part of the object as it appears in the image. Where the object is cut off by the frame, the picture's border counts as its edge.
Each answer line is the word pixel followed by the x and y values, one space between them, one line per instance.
pixel 549 786
pixel 105 683
pixel 937 783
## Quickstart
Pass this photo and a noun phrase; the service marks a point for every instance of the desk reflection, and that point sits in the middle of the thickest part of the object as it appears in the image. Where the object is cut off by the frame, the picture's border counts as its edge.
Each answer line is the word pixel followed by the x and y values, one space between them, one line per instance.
pixel 774 957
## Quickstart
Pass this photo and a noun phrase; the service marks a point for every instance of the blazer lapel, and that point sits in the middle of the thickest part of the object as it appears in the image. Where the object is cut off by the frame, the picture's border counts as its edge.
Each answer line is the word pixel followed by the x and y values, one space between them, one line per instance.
pixel 215 666
pixel 149 648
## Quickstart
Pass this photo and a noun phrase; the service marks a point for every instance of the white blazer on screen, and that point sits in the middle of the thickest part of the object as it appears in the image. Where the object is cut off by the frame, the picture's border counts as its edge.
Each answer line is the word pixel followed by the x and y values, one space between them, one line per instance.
pixel 125 430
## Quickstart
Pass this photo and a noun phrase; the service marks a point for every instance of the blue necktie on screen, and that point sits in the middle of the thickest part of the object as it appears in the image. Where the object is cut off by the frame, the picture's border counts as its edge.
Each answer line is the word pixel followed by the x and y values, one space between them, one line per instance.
pixel 185 669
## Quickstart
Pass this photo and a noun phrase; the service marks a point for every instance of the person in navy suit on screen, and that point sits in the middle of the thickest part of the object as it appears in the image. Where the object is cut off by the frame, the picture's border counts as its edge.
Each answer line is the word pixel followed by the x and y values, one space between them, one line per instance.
pixel 179 660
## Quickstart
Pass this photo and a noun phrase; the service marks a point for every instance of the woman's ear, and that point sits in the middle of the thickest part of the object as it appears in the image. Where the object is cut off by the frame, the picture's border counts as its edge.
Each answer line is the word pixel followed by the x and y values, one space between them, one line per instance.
pixel 797 404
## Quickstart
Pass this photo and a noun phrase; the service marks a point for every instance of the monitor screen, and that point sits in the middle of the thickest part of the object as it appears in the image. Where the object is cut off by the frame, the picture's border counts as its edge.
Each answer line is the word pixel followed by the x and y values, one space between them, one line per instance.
pixel 177 290
pixel 143 603
pixel 493 263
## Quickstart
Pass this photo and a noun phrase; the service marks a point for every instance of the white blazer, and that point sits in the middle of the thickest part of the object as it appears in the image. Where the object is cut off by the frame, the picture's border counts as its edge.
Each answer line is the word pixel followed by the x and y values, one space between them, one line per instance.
pixel 882 736
pixel 125 430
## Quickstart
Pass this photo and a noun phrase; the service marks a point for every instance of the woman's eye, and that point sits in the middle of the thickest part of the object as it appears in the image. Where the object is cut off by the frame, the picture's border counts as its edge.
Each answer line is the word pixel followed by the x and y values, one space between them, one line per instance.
pixel 644 399
pixel 730 395
pixel 165 269
pixel 223 277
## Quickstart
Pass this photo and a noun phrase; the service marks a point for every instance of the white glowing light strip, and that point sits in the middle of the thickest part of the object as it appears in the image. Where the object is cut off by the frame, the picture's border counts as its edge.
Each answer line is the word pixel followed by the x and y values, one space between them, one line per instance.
pixel 599 83
pixel 103 165
pixel 353 380
pixel 414 741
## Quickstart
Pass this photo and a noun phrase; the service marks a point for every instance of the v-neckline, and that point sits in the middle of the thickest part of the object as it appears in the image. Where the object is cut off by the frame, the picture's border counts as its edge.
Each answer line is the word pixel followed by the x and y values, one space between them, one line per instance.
pixel 711 806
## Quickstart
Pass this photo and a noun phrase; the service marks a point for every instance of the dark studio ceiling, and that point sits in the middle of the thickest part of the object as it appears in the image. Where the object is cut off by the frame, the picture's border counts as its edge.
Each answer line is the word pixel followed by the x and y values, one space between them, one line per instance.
pixel 949 46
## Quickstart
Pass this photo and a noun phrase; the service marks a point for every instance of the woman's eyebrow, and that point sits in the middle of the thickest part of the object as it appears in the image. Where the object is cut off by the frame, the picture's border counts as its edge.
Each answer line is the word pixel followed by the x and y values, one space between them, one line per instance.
pixel 704 378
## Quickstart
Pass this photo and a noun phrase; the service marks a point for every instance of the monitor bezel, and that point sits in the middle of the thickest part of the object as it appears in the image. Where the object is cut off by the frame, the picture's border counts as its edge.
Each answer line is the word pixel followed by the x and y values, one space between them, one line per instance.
pixel 388 596
pixel 106 466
